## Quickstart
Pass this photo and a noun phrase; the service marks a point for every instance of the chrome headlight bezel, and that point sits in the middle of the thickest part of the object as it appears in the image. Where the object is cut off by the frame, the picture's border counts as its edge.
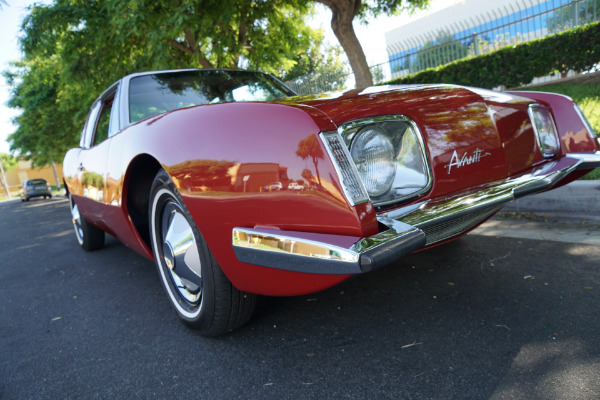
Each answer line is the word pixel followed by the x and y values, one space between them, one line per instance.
pixel 586 122
pixel 346 170
pixel 408 145
pixel 545 129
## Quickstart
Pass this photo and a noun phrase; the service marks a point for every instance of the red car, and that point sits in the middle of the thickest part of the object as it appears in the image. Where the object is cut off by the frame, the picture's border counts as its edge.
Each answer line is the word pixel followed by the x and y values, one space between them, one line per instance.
pixel 174 164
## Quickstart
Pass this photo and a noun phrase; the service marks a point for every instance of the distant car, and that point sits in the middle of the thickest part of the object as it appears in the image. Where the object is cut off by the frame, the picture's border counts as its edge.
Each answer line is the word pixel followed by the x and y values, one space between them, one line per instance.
pixel 174 164
pixel 35 188
pixel 271 187
pixel 295 186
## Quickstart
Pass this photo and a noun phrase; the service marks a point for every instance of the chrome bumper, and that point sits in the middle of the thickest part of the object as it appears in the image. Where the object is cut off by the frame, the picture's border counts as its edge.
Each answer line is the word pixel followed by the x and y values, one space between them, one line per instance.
pixel 410 228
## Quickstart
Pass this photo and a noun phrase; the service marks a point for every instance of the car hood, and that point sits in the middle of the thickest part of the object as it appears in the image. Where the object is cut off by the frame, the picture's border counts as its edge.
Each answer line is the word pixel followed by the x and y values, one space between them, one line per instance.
pixel 410 100
pixel 472 136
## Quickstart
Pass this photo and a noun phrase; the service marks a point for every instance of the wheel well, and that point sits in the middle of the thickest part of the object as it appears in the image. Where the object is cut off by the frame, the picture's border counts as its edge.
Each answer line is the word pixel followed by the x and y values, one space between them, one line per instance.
pixel 137 185
pixel 67 193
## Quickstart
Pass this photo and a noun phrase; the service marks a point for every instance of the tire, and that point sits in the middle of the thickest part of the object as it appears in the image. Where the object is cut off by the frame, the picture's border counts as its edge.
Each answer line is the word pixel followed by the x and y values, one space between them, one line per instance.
pixel 89 237
pixel 197 288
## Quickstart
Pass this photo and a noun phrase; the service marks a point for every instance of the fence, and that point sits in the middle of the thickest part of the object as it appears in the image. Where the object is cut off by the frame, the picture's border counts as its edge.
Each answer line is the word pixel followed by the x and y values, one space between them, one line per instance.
pixel 515 22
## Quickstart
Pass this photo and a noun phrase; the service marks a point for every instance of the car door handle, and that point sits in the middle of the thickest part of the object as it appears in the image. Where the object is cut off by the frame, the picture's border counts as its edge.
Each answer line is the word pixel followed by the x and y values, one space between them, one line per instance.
pixel 80 168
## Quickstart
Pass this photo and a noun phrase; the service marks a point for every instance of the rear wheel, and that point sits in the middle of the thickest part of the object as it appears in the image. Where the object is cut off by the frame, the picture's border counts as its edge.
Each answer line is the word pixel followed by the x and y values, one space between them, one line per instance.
pixel 88 236
pixel 197 288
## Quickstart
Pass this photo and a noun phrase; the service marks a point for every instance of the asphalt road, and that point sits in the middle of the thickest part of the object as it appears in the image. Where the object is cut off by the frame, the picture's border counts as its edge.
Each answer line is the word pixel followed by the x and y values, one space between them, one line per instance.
pixel 485 317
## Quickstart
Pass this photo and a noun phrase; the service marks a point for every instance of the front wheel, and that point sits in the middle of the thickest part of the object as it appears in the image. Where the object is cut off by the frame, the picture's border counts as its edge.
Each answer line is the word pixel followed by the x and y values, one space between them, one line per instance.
pixel 197 288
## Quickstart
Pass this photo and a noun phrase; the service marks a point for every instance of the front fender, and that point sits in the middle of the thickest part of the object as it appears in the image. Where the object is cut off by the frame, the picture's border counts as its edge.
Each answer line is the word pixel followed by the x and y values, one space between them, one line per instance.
pixel 225 159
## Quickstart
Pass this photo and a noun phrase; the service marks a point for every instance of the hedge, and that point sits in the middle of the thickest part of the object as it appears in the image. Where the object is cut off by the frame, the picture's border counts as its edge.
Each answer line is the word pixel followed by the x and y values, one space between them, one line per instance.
pixel 576 49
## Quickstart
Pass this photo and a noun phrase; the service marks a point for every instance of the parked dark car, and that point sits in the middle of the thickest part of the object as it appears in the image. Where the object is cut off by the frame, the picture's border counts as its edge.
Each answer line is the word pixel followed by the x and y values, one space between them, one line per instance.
pixel 35 188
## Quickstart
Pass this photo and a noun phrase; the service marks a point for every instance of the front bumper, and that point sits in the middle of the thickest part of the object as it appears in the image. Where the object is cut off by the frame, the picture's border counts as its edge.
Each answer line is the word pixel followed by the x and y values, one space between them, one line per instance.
pixel 410 228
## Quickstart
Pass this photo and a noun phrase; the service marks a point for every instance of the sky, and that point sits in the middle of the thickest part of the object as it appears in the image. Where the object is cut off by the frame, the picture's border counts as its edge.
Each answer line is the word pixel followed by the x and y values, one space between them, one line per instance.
pixel 371 37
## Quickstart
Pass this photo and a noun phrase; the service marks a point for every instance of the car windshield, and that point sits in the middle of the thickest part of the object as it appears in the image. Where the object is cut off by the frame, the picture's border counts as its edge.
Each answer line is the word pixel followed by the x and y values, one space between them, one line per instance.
pixel 161 92
pixel 36 182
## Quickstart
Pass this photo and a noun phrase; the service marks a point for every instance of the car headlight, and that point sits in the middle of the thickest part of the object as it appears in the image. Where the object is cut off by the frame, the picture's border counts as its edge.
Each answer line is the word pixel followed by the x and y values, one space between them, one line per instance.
pixel 545 130
pixel 389 156
pixel 373 154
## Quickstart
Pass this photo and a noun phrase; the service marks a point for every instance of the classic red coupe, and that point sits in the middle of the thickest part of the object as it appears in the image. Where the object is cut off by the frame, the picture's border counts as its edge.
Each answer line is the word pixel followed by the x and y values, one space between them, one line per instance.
pixel 175 165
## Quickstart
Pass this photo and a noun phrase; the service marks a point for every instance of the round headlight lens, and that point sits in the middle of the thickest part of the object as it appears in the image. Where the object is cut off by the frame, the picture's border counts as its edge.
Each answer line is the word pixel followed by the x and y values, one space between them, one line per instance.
pixel 373 154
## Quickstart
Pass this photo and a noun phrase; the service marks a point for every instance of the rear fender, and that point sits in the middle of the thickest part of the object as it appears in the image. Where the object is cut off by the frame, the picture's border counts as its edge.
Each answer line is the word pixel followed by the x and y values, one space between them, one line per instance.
pixel 574 135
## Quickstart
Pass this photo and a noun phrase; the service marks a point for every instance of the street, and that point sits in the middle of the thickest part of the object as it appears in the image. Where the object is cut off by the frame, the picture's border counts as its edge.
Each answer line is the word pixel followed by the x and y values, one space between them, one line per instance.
pixel 488 316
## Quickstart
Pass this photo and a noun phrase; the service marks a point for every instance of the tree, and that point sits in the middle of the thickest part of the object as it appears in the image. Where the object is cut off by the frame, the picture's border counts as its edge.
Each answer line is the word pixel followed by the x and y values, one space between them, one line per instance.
pixel 442 50
pixel 218 33
pixel 7 162
pixel 575 14
pixel 74 49
pixel 310 147
pixel 44 128
pixel 320 69
pixel 343 13
pixel 308 175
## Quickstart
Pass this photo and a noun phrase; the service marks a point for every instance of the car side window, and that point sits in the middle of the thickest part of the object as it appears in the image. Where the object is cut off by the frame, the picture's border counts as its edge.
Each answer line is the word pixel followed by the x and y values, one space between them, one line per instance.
pixel 103 122
pixel 103 119
pixel 88 131
pixel 114 114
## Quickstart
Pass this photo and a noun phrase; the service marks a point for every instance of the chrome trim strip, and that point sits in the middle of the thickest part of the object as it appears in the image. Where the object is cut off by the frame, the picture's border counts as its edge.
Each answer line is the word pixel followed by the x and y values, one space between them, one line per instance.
pixel 533 108
pixel 348 173
pixel 586 122
pixel 293 251
pixel 588 160
pixel 336 254
pixel 398 241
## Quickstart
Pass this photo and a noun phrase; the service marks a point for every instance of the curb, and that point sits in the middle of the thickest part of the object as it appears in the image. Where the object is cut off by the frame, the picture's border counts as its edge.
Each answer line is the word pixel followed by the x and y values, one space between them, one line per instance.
pixel 578 198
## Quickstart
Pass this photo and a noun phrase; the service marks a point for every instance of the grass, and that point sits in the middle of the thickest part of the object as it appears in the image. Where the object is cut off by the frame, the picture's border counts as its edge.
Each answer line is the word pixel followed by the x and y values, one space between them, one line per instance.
pixel 587 95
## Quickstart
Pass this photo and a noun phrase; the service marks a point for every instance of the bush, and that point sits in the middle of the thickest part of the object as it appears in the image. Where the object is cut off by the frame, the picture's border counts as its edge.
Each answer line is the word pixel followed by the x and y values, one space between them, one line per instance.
pixel 577 49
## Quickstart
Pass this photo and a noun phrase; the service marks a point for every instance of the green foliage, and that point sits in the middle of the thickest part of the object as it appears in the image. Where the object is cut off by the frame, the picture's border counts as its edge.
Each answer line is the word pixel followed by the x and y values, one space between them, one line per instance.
pixel 74 49
pixel 577 49
pixel 92 179
pixel 216 33
pixel 373 8
pixel 574 14
pixel 442 50
pixel 8 161
pixel 43 126
pixel 320 69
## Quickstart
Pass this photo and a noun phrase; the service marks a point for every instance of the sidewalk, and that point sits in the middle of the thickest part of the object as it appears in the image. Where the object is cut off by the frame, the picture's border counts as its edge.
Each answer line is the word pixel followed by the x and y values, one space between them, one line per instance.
pixel 568 214
pixel 577 199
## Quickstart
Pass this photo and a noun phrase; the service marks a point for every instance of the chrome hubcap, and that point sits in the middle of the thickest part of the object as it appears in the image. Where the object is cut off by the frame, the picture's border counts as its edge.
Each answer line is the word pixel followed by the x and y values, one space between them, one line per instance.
pixel 76 218
pixel 180 254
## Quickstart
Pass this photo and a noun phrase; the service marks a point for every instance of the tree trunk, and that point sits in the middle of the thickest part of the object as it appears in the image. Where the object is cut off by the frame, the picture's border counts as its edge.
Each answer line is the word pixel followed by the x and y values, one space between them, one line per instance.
pixel 55 175
pixel 342 15
pixel 4 182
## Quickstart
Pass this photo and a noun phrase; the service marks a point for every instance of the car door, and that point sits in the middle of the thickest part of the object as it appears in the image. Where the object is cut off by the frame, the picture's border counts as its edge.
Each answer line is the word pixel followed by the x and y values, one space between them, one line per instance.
pixel 95 145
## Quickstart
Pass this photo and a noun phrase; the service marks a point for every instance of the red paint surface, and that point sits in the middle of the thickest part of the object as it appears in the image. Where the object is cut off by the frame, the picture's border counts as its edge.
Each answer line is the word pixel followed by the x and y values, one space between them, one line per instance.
pixel 571 129
pixel 224 158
